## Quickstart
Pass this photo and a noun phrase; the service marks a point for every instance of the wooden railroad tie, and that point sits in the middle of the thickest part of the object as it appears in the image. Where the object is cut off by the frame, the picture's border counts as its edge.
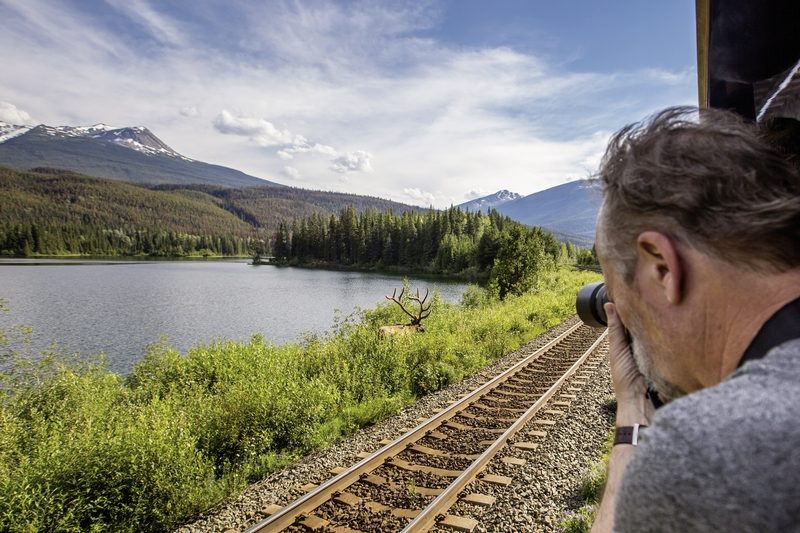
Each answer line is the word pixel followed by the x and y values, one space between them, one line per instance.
pixel 536 433
pixel 476 498
pixel 374 480
pixel 314 523
pixel 494 479
pixel 458 523
pixel 347 498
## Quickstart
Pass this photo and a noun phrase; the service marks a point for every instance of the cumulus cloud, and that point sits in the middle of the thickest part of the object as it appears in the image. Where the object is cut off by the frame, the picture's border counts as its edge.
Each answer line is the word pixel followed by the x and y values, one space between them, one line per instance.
pixel 302 146
pixel 290 172
pixel 354 78
pixel 261 132
pixel 358 161
pixel 13 115
pixel 476 193
pixel 419 196
pixel 189 111
pixel 264 133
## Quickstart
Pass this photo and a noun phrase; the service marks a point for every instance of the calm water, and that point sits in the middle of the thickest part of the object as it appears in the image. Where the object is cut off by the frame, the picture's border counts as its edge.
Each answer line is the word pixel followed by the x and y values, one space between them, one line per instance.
pixel 118 308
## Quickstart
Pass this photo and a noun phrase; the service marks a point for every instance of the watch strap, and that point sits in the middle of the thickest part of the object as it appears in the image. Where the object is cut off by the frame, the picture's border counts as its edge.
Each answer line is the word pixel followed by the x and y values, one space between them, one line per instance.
pixel 628 434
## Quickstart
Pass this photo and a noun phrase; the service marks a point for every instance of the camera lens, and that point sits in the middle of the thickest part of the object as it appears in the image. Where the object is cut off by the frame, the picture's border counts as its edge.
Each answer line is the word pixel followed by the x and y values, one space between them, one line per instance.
pixel 589 304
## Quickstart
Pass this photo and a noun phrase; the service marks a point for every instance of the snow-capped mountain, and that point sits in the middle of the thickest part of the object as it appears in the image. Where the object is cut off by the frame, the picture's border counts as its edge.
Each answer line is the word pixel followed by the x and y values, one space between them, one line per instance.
pixel 569 210
pixel 136 138
pixel 131 154
pixel 492 201
pixel 9 131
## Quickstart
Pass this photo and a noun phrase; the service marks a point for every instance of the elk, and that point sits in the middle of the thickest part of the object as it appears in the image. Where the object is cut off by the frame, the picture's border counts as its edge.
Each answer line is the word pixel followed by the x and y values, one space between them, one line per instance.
pixel 416 319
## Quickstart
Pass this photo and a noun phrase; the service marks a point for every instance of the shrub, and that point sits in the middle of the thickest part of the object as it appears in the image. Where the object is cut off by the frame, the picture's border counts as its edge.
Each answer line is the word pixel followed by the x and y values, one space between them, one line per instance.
pixel 81 448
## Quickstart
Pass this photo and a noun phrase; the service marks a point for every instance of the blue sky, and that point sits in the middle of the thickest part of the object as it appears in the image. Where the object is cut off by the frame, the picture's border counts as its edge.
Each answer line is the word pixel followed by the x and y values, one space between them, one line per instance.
pixel 422 102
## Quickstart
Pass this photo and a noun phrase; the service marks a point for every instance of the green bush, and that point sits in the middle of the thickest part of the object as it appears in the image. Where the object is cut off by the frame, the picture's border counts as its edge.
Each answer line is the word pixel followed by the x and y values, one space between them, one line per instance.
pixel 82 449
pixel 590 490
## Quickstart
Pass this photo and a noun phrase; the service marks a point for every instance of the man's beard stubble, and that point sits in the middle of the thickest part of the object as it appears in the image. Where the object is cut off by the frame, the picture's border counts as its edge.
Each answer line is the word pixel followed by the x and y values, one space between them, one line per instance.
pixel 641 355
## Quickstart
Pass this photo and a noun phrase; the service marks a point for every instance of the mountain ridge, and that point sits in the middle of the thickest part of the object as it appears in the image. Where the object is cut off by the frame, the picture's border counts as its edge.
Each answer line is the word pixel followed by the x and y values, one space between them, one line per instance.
pixel 491 201
pixel 133 154
pixel 568 210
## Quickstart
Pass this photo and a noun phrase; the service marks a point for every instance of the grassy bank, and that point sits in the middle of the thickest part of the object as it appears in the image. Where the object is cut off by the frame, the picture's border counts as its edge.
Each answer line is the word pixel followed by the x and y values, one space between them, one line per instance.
pixel 581 519
pixel 84 449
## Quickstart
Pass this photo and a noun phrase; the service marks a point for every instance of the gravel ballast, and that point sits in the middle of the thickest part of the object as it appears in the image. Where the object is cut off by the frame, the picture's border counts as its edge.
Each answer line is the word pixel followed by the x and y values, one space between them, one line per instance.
pixel 542 490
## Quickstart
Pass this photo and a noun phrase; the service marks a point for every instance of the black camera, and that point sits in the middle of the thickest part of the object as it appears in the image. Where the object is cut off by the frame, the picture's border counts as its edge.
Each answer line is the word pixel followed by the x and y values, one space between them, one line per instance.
pixel 589 304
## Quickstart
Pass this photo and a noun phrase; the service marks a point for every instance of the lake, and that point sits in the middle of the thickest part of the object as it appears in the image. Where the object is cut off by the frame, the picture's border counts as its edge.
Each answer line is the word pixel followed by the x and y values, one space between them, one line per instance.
pixel 119 307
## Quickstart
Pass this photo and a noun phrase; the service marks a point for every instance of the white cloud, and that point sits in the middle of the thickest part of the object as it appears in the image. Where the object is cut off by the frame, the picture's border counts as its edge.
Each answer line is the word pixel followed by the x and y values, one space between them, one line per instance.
pixel 358 161
pixel 476 193
pixel 260 131
pixel 304 147
pixel 359 81
pixel 419 196
pixel 159 26
pixel 290 172
pixel 189 111
pixel 13 115
pixel 264 133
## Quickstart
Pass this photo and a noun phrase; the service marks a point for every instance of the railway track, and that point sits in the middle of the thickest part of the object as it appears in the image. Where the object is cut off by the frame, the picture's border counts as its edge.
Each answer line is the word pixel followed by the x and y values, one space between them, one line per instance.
pixel 410 483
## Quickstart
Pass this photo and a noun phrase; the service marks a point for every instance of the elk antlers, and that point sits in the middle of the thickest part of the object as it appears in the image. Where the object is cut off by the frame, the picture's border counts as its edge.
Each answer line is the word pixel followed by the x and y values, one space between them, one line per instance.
pixel 424 311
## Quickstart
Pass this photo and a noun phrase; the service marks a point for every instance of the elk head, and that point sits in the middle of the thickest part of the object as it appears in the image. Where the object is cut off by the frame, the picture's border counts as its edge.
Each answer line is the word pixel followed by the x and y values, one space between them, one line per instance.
pixel 416 318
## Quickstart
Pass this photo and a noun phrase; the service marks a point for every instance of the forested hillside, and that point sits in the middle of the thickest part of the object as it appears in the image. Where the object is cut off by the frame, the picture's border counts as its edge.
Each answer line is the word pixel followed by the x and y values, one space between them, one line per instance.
pixel 56 212
pixel 267 207
pixel 451 242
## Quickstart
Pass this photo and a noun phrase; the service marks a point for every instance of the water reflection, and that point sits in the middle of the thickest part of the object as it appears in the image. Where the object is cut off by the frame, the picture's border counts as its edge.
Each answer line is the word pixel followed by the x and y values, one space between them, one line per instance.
pixel 118 307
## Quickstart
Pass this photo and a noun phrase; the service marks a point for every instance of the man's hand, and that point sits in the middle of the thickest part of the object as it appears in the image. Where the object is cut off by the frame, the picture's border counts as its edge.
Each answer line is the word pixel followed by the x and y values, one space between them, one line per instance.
pixel 630 386
pixel 633 407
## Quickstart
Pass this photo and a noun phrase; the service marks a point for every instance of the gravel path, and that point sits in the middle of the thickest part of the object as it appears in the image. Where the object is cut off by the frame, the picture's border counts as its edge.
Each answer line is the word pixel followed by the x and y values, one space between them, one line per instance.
pixel 541 492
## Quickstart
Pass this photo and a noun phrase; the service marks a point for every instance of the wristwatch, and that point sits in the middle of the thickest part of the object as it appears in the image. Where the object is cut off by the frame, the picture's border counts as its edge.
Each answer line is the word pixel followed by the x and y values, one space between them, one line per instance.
pixel 628 434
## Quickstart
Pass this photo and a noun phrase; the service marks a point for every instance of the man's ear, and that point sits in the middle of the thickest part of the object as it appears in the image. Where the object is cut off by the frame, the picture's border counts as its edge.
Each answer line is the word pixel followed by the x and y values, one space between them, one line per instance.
pixel 659 264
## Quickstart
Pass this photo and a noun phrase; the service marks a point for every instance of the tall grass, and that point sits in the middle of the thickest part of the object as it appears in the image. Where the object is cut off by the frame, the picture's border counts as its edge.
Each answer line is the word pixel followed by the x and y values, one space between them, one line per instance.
pixel 84 449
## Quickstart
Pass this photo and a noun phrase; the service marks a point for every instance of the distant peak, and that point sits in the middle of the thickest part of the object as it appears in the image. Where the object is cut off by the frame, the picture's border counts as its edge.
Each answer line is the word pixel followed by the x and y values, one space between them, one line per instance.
pixel 9 131
pixel 505 194
pixel 497 199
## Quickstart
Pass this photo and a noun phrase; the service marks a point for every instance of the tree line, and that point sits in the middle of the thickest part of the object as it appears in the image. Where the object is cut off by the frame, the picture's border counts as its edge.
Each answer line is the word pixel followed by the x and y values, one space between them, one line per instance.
pixel 448 242
pixel 30 239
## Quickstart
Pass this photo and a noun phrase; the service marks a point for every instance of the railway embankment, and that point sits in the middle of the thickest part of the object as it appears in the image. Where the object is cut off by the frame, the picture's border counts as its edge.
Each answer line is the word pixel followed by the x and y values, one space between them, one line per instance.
pixel 542 486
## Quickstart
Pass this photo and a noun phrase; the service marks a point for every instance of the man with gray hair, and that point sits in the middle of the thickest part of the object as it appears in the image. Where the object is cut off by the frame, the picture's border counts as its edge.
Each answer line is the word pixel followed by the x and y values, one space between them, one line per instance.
pixel 699 240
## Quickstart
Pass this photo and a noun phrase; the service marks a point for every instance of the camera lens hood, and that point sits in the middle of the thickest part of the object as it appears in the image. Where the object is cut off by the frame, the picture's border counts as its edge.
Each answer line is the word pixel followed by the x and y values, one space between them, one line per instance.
pixel 589 304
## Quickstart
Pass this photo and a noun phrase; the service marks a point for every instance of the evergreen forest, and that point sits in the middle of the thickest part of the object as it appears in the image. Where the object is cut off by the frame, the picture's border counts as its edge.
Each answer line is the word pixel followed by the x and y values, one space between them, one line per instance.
pixel 49 212
pixel 448 242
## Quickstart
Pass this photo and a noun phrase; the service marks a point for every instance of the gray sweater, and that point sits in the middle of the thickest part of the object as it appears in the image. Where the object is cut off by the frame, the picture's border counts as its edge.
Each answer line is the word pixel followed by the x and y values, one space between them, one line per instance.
pixel 726 458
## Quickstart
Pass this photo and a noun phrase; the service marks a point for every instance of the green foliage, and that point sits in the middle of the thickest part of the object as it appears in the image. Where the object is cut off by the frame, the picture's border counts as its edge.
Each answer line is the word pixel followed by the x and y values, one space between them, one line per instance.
pixel 591 490
pixel 579 521
pixel 522 255
pixel 83 449
pixel 56 212
pixel 449 242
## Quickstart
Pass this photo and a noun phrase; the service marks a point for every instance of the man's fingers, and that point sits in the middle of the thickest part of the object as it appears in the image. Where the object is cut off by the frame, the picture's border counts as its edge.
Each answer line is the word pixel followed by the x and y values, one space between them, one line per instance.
pixel 616 331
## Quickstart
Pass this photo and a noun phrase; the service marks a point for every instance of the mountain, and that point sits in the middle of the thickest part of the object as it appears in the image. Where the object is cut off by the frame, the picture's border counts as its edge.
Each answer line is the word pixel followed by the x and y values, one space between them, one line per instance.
pixel 492 201
pixel 568 210
pixel 132 154
pixel 56 197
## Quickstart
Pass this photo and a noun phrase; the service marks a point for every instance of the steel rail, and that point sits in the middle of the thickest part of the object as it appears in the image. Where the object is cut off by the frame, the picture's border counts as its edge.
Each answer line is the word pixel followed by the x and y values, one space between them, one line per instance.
pixel 289 514
pixel 428 516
